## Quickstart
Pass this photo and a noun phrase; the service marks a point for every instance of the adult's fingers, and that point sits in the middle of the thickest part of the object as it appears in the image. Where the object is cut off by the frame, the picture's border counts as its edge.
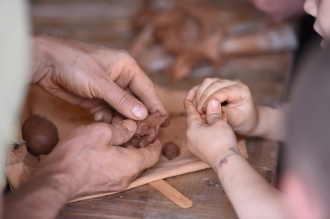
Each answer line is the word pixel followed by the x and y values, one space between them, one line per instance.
pixel 122 132
pixel 123 102
pixel 213 112
pixel 139 83
pixel 193 117
pixel 101 110
pixel 151 154
pixel 118 118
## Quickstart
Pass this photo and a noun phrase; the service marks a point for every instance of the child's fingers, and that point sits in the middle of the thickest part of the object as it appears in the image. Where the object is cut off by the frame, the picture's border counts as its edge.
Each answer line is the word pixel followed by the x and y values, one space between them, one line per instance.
pixel 213 112
pixel 233 95
pixel 192 93
pixel 193 117
pixel 210 90
pixel 206 83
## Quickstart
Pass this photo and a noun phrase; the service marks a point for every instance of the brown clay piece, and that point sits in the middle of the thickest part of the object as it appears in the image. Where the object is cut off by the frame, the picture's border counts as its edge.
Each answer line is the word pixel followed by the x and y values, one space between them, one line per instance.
pixel 147 130
pixel 40 134
pixel 171 150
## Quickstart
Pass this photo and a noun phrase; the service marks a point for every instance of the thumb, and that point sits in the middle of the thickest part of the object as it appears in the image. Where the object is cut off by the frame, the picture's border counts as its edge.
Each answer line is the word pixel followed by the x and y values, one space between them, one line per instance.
pixel 213 111
pixel 125 103
pixel 123 131
pixel 151 154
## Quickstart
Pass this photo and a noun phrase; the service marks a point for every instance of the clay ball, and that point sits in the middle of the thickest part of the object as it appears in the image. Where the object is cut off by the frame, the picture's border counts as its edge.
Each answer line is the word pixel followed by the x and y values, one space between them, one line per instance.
pixel 40 134
pixel 171 150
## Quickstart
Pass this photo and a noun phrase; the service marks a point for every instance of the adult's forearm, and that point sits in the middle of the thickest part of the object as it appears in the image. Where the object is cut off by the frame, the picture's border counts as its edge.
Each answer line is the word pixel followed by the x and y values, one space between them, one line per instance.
pixel 41 197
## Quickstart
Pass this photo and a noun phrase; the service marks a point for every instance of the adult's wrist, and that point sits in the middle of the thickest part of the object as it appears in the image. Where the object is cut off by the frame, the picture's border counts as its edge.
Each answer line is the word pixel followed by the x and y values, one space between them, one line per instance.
pixel 42 196
pixel 55 181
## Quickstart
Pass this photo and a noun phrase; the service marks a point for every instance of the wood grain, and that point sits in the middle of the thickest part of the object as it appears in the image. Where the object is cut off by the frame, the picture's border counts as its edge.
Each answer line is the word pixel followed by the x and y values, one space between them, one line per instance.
pixel 172 194
pixel 108 23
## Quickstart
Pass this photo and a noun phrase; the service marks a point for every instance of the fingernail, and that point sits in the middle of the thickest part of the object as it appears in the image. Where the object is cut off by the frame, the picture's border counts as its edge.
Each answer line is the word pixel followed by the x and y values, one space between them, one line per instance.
pixel 214 104
pixel 139 112
pixel 129 124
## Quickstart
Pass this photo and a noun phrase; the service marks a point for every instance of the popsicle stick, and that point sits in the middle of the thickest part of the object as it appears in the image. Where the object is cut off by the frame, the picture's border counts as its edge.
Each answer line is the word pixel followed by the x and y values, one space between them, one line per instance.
pixel 171 193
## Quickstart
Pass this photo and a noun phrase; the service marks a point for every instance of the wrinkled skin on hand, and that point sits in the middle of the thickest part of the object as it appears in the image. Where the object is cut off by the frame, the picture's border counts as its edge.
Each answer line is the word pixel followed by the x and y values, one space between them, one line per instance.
pixel 90 160
pixel 96 78
pixel 147 130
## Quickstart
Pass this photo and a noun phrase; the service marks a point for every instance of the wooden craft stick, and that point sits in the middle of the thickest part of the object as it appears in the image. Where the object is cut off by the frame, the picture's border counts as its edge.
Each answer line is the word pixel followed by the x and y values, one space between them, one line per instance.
pixel 171 193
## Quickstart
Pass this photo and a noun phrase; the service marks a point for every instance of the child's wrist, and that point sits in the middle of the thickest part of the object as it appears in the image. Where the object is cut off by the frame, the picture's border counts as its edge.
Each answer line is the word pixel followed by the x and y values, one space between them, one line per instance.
pixel 223 157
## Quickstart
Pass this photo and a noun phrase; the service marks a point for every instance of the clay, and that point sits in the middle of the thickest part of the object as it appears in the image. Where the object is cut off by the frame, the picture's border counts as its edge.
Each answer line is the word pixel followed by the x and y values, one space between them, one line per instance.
pixel 40 134
pixel 189 35
pixel 147 130
pixel 171 150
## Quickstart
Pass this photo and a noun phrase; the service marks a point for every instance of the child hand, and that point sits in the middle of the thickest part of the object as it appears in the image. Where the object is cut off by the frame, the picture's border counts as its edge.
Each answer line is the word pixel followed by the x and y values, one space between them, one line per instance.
pixel 241 112
pixel 211 138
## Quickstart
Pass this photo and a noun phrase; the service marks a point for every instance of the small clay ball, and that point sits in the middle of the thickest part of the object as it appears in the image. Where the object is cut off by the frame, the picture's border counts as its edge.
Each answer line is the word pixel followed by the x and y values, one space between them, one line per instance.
pixel 171 150
pixel 40 134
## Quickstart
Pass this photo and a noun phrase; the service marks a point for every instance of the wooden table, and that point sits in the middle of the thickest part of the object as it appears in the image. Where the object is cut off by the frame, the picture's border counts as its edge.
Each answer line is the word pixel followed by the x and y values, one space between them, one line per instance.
pixel 108 23
pixel 202 187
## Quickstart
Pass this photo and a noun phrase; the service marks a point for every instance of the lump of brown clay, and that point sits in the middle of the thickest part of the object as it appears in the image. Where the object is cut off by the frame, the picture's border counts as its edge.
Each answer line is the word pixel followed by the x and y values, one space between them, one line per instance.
pixel 147 130
pixel 40 134
pixel 171 150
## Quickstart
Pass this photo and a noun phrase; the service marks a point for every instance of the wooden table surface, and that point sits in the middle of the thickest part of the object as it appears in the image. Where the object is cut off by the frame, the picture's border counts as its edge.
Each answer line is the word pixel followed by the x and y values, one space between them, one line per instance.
pixel 108 23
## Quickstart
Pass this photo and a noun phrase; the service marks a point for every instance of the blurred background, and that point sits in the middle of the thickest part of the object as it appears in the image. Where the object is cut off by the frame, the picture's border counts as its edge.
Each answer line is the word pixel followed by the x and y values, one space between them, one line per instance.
pixel 238 41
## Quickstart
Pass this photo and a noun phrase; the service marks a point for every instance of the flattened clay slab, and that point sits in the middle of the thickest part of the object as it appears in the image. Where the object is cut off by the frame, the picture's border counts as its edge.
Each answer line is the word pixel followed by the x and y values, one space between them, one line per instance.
pixel 147 130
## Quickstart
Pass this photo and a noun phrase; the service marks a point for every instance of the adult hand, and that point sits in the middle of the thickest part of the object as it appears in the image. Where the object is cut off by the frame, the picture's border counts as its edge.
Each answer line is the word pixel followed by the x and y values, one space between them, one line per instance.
pixel 241 112
pixel 94 78
pixel 211 138
pixel 89 160
pixel 280 10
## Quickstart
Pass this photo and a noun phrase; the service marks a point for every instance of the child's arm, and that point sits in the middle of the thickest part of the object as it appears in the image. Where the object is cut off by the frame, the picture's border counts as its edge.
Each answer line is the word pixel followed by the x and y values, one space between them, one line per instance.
pixel 214 141
pixel 271 122
pixel 242 114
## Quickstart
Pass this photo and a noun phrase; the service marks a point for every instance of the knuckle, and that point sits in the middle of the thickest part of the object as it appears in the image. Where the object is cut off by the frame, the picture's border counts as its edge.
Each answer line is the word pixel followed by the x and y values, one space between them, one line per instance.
pixel 102 130
pixel 209 80
pixel 216 83
pixel 238 81
pixel 244 86
pixel 123 52
pixel 124 100
pixel 204 96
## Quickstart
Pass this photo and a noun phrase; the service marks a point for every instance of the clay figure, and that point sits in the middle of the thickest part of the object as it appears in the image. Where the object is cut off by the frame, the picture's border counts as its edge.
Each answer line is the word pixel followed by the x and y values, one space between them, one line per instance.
pixel 147 130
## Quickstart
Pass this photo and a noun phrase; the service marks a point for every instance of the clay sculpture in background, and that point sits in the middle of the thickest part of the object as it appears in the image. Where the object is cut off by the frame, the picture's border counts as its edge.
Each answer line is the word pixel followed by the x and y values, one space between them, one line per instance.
pixel 178 39
pixel 190 34
pixel 147 130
